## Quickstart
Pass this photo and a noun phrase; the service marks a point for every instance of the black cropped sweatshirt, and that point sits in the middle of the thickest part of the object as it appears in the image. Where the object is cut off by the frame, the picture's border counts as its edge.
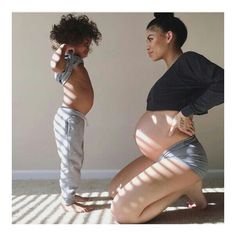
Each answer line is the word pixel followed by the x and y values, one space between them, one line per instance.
pixel 192 85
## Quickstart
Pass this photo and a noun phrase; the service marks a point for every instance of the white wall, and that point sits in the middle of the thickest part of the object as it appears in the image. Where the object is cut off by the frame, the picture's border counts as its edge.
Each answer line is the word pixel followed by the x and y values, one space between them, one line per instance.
pixel 121 74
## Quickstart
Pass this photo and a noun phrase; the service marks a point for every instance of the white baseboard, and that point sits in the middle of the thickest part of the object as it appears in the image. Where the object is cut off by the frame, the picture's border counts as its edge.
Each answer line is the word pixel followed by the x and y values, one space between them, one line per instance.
pixel 54 174
pixel 85 174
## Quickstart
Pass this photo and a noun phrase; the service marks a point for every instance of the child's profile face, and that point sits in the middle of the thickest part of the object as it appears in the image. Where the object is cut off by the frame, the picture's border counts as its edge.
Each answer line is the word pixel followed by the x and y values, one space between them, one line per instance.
pixel 82 49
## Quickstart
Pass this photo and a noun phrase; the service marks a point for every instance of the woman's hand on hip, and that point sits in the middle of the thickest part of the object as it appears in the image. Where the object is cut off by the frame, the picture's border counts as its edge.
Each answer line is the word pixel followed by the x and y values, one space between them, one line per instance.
pixel 183 123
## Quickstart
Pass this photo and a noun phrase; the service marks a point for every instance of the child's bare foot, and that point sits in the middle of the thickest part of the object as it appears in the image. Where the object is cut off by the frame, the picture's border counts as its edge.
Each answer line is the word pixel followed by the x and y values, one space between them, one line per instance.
pixel 77 208
pixel 196 197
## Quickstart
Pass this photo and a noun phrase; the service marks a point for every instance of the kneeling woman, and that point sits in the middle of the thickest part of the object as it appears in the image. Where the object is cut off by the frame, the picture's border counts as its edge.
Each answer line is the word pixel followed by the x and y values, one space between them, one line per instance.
pixel 173 162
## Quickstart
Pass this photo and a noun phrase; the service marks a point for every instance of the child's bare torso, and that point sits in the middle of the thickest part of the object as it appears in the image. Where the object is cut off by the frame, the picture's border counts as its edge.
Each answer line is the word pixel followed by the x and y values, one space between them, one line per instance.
pixel 78 91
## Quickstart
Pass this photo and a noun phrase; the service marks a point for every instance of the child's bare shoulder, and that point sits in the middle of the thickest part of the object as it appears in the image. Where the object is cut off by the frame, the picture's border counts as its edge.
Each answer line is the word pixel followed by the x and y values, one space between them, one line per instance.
pixel 80 69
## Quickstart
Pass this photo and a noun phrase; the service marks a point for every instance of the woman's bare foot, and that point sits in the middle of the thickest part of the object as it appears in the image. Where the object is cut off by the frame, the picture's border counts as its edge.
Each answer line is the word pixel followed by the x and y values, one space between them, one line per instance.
pixel 196 197
pixel 77 208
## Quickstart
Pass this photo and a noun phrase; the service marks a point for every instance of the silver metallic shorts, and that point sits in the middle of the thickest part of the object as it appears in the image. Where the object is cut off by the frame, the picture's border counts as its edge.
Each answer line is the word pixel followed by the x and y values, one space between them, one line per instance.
pixel 190 152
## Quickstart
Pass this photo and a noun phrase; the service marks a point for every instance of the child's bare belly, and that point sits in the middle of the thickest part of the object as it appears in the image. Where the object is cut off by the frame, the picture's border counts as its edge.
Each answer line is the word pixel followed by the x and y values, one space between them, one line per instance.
pixel 152 133
pixel 78 95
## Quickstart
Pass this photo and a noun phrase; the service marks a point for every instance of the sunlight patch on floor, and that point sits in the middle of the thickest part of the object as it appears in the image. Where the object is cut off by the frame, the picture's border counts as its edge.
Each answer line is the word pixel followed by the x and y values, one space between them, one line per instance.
pixel 213 190
pixel 46 209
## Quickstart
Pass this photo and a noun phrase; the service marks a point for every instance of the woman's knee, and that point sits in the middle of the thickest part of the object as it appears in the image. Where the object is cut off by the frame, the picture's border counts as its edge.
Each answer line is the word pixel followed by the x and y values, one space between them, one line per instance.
pixel 122 214
pixel 124 209
pixel 119 215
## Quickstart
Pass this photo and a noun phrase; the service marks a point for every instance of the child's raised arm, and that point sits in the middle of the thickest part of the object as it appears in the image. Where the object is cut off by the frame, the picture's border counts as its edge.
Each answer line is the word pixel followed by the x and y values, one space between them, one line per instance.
pixel 58 58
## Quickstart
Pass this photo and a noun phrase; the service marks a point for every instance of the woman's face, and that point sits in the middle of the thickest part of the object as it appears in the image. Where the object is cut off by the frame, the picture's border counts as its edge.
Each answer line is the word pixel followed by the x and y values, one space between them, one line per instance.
pixel 157 44
pixel 83 48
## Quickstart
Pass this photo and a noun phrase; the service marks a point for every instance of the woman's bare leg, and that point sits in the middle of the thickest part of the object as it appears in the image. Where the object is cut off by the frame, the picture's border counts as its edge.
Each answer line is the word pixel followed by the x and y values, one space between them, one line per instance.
pixel 196 196
pixel 151 191
pixel 159 206
pixel 129 172
pixel 198 200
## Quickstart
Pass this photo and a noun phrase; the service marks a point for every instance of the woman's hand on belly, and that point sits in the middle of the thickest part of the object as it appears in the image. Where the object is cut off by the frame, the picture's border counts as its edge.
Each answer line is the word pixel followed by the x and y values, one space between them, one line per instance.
pixel 183 123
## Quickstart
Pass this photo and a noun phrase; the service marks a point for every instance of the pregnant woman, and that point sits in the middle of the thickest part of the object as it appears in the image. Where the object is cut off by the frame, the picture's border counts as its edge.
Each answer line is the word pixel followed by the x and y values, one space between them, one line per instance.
pixel 173 162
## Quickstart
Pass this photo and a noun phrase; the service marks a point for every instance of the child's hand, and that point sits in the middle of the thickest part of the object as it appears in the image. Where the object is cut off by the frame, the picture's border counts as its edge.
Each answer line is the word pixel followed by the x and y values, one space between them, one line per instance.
pixel 57 62
pixel 183 123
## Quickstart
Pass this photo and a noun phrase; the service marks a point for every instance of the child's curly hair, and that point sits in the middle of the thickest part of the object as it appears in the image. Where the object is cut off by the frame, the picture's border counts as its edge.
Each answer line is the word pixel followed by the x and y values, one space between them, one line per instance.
pixel 73 30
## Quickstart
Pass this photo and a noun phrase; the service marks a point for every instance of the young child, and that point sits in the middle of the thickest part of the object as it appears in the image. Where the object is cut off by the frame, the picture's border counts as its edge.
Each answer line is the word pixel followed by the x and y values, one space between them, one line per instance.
pixel 71 39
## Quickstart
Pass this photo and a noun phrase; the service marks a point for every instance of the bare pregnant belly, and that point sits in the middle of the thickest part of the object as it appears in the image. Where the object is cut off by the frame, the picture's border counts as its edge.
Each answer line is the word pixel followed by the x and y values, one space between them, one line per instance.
pixel 152 130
